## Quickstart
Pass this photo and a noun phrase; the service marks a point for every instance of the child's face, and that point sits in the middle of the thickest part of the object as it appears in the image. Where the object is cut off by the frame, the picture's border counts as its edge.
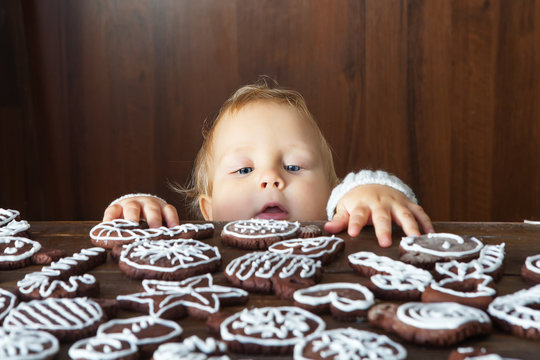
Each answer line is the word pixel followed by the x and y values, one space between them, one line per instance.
pixel 268 164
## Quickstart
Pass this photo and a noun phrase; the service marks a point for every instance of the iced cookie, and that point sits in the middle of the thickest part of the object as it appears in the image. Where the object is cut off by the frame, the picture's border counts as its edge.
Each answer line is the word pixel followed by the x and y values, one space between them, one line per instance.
pixel 104 348
pixel 258 233
pixel 323 248
pixel 470 353
pixel 193 348
pixel 7 302
pixel 530 271
pixel 119 232
pixel 18 344
pixel 17 252
pixel 7 216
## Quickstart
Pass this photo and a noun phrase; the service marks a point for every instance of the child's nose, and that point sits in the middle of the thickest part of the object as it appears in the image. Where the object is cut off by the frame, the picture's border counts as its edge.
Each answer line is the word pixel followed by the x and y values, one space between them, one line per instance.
pixel 272 180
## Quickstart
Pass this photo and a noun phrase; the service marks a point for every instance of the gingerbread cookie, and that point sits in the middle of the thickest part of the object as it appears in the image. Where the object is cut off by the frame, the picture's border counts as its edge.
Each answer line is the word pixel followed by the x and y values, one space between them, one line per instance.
pixel 435 324
pixel 257 233
pixel 309 231
pixel 168 259
pixel 147 332
pixel 15 228
pixel 530 271
pixel 349 343
pixel 16 252
pixel 489 263
pixel 104 348
pixel 67 319
pixel 187 231
pixel 64 278
pixel 267 272
pixel 323 248
pixel 7 302
pixel 19 344
pixel 7 216
pixel 120 231
pixel 269 330
pixel 390 279
pixel 196 296
pixel 345 301
pixel 193 348
pixel 425 250
pixel 518 313
pixel 470 353
pixel 476 290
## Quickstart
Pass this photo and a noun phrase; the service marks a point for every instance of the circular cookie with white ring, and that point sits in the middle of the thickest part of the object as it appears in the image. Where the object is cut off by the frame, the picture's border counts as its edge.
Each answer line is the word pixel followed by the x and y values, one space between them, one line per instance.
pixel 530 271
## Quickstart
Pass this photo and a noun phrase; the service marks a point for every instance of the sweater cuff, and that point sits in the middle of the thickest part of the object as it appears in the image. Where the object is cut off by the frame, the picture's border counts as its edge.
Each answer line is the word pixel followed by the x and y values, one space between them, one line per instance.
pixel 366 177
pixel 135 195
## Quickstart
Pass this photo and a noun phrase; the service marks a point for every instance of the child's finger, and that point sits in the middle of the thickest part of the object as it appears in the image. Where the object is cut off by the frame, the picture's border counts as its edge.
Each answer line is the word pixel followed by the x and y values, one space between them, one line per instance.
pixel 422 218
pixel 405 218
pixel 339 221
pixel 112 212
pixel 358 219
pixel 170 215
pixel 382 222
pixel 152 213
pixel 132 211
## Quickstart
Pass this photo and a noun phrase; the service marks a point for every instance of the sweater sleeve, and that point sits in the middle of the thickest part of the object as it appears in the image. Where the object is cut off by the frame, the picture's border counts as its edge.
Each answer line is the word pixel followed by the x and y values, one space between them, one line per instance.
pixel 365 177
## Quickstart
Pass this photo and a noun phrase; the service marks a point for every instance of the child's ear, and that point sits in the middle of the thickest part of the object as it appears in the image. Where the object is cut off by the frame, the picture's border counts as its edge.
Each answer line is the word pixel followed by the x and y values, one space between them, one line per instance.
pixel 205 204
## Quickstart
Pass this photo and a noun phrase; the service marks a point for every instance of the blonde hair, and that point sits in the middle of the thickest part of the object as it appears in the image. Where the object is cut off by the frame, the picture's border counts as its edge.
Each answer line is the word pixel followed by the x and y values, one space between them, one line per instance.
pixel 265 89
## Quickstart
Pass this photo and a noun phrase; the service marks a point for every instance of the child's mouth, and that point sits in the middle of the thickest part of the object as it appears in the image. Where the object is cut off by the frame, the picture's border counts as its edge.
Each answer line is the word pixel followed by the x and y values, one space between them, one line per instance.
pixel 272 211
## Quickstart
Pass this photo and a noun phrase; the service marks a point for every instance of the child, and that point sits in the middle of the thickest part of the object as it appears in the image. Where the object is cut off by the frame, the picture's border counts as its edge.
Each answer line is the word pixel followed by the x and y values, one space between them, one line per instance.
pixel 265 157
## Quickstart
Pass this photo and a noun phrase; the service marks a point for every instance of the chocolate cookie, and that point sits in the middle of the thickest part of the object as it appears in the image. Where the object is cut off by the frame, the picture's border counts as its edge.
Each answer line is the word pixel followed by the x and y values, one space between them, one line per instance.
pixel 390 279
pixel 530 271
pixel 7 216
pixel 470 353
pixel 67 319
pixel 193 348
pixel 168 259
pixel 257 233
pixel 267 272
pixel 323 248
pixel 518 313
pixel 17 252
pixel 435 324
pixel 187 231
pixel 15 228
pixel 196 296
pixel 345 301
pixel 119 232
pixel 349 343
pixel 147 332
pixel 269 330
pixel 309 231
pixel 8 301
pixel 104 348
pixel 425 250
pixel 20 344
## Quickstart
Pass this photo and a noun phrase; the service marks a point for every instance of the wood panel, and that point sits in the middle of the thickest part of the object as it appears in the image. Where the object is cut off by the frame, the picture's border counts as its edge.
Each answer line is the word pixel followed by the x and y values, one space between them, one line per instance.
pixel 442 93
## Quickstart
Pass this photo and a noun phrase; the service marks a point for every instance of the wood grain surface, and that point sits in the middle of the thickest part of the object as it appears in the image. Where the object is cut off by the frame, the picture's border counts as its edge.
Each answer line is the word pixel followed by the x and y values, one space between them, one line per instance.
pixel 521 241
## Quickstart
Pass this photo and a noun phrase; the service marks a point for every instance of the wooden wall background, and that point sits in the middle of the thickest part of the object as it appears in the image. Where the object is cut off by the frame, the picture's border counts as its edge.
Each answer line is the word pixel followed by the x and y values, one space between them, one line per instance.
pixel 102 98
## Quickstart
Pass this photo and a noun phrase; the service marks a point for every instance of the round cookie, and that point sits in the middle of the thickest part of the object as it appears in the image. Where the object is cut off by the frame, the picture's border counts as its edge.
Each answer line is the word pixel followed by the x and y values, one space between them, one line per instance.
pixel 20 344
pixel 8 301
pixel 345 301
pixel 16 252
pixel 518 313
pixel 349 343
pixel 309 231
pixel 67 319
pixel 434 324
pixel 390 279
pixel 104 348
pixel 269 330
pixel 119 232
pixel 323 248
pixel 267 272
pixel 530 271
pixel 425 250
pixel 256 234
pixel 168 259
pixel 147 332
pixel 192 348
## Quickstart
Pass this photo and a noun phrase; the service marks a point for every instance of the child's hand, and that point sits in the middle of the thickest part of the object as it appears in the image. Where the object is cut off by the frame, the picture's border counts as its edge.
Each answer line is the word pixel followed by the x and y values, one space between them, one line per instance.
pixel 148 207
pixel 378 205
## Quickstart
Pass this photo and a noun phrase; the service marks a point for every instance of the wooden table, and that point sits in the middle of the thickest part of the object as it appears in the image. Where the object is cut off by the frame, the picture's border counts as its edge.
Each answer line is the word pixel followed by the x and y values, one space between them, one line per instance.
pixel 521 241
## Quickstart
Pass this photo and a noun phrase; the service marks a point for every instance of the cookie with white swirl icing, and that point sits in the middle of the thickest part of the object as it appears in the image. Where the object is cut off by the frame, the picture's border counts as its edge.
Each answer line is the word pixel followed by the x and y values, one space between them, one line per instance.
pixel 23 344
pixel 269 330
pixel 345 301
pixel 530 271
pixel 518 313
pixel 323 248
pixel 434 324
pixel 349 343
pixel 8 301
pixel 168 259
pixel 119 232
pixel 192 348
pixel 104 348
pixel 471 353
pixel 258 234
pixel 7 216
pixel 425 250
pixel 267 272
pixel 17 252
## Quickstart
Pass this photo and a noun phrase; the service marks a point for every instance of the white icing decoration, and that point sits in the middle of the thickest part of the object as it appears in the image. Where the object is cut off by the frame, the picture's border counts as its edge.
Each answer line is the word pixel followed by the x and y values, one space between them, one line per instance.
pixel 177 254
pixel 315 247
pixel 491 258
pixel 532 263
pixel 482 289
pixel 350 343
pixel 282 228
pixel 443 315
pixel 114 347
pixel 271 326
pixel 409 244
pixel 342 302
pixel 192 348
pixel 7 302
pixel 11 242
pixel 7 215
pixel 531 222
pixel 14 227
pixel 515 308
pixel 392 274
pixel 146 322
pixel 121 230
pixel 27 345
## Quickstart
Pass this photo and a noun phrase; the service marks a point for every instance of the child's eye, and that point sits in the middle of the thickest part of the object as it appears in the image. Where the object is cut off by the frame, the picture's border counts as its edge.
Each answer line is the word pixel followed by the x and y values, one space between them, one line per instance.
pixel 244 170
pixel 292 168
